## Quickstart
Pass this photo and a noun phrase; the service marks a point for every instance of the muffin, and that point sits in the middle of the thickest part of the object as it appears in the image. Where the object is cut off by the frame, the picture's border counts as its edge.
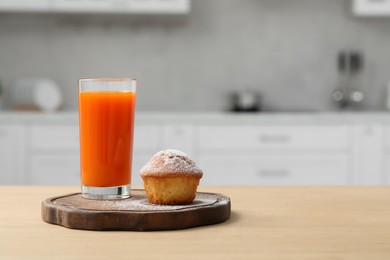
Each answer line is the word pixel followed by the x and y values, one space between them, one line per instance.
pixel 171 178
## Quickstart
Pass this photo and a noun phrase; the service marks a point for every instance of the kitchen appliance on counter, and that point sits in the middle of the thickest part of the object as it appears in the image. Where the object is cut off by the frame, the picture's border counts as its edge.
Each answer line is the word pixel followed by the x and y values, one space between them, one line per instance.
pixel 245 101
pixel 36 94
pixel 348 94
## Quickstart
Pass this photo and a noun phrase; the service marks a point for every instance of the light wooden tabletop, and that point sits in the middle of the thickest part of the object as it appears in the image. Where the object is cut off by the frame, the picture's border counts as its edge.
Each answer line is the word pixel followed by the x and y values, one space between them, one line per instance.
pixel 266 223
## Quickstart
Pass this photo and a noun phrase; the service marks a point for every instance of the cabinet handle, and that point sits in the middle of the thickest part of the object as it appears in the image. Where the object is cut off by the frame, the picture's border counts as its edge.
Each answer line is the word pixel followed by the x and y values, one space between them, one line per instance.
pixel 274 173
pixel 271 138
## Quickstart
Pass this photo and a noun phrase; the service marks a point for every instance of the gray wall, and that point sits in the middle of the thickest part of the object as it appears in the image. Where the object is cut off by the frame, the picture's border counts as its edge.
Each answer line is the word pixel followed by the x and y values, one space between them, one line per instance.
pixel 284 49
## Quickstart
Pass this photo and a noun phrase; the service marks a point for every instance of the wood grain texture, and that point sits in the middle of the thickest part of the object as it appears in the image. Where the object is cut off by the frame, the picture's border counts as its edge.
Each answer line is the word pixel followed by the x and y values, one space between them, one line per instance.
pixel 134 213
pixel 266 223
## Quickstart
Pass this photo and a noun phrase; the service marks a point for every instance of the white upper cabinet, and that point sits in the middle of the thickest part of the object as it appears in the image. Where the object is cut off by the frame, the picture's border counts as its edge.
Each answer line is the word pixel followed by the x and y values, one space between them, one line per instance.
pixel 154 6
pixel 24 5
pixel 83 6
pixel 371 7
pixel 98 6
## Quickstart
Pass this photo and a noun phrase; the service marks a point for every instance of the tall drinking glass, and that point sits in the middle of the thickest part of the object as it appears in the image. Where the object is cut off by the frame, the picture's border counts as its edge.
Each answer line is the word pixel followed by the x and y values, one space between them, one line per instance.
pixel 106 120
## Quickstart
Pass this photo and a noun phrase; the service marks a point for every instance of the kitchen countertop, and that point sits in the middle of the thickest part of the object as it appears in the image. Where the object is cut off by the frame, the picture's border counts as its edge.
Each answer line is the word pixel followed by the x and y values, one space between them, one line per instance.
pixel 71 117
pixel 266 223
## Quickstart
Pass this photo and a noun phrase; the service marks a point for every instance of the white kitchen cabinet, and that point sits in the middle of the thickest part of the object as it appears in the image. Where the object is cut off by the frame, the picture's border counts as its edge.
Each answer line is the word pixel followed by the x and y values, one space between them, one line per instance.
pixel 11 154
pixel 24 5
pixel 98 6
pixel 269 138
pixel 83 6
pixel 154 6
pixel 274 155
pixel 331 150
pixel 122 6
pixel 275 170
pixel 53 154
pixel 371 7
pixel 386 168
pixel 54 169
pixel 147 138
pixel 57 137
pixel 368 154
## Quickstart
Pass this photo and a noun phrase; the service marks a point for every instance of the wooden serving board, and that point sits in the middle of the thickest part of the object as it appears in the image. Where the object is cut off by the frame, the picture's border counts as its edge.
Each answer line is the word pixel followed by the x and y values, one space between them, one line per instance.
pixel 134 213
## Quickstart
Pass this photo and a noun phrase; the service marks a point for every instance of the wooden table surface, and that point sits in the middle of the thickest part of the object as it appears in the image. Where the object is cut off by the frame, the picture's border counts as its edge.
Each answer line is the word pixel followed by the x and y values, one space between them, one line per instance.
pixel 266 223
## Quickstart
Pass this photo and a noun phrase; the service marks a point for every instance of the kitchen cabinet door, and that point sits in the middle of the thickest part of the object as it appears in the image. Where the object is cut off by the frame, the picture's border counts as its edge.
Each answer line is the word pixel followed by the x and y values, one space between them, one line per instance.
pixel 24 5
pixel 147 138
pixel 275 170
pixel 49 138
pixel 53 157
pixel 284 138
pixel 154 6
pixel 84 6
pixel 56 169
pixel 386 170
pixel 368 155
pixel 371 7
pixel 11 155
pixel 98 6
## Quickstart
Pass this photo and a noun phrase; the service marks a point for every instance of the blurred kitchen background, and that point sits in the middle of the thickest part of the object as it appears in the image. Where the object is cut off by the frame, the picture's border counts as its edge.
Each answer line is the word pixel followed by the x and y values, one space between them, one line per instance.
pixel 258 92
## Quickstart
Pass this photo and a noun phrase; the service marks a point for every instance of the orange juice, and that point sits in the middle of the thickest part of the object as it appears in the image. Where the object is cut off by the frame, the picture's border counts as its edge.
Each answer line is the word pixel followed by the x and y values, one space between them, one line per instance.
pixel 106 137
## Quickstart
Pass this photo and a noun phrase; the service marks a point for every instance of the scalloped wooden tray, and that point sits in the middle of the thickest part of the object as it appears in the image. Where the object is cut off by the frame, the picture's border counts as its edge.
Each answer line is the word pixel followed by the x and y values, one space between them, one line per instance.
pixel 134 213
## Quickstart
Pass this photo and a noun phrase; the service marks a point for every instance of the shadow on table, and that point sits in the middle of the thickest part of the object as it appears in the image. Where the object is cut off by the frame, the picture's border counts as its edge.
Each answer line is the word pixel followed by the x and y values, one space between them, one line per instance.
pixel 234 217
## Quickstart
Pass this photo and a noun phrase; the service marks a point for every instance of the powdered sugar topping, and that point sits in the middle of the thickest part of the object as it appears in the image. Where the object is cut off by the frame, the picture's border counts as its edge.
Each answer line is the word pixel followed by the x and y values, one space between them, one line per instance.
pixel 137 202
pixel 170 162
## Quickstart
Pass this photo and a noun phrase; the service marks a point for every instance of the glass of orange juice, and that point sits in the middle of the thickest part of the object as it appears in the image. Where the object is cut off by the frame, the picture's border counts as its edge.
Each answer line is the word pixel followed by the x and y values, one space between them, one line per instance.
pixel 106 121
